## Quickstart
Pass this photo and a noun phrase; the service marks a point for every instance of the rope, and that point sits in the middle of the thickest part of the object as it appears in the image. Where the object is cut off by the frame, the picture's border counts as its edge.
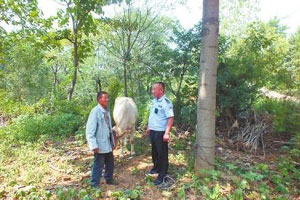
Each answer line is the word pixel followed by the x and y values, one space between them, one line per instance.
pixel 167 182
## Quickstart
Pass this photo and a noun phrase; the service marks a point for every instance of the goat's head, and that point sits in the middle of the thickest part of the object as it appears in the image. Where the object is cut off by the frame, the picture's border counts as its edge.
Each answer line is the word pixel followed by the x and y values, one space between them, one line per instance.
pixel 119 133
pixel 116 131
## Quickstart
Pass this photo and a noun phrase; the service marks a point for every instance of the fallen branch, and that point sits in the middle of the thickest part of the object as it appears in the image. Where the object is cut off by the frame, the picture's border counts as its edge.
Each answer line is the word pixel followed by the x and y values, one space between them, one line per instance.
pixel 252 133
pixel 55 168
pixel 285 142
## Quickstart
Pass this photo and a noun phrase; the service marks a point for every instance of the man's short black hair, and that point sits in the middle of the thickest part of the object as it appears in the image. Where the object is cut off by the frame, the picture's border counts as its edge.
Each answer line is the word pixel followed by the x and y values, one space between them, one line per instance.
pixel 161 84
pixel 99 94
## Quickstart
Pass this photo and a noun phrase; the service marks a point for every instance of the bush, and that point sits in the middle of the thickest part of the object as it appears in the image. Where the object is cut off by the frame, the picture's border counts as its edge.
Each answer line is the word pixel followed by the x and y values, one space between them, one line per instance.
pixel 188 115
pixel 286 114
pixel 114 90
pixel 234 92
pixel 30 128
pixel 10 108
pixel 64 106
pixel 144 112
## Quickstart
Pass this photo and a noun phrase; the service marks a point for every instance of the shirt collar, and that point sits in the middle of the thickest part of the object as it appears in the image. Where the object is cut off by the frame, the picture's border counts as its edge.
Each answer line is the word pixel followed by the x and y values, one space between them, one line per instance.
pixel 102 109
pixel 161 98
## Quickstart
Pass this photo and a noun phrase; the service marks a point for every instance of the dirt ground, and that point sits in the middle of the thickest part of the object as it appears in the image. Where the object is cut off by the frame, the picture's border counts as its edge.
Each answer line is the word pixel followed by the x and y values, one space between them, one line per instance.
pixel 130 171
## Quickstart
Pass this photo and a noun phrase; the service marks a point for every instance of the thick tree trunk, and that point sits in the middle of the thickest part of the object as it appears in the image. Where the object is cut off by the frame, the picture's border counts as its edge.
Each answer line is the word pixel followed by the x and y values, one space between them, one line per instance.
pixel 206 106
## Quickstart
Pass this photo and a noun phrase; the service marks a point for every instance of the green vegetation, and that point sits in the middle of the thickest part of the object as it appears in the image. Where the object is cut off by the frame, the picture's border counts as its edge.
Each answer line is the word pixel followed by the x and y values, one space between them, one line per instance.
pixel 36 170
pixel 50 74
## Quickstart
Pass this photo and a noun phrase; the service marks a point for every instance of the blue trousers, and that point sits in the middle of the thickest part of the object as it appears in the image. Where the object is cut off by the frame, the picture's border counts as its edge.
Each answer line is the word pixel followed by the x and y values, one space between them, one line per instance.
pixel 101 161
pixel 159 153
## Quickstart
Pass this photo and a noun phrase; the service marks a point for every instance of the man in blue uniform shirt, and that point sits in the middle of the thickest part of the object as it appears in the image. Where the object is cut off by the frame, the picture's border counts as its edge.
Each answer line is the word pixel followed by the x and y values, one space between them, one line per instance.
pixel 100 140
pixel 159 126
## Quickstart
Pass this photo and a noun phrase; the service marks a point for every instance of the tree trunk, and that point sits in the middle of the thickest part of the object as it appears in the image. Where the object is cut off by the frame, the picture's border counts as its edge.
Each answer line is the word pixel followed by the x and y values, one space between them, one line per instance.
pixel 177 108
pixel 206 106
pixel 76 64
pixel 55 78
pixel 178 95
pixel 98 85
pixel 125 79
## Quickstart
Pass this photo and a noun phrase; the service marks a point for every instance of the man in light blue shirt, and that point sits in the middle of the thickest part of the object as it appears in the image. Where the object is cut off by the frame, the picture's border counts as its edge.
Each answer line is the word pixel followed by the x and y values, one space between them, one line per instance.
pixel 159 126
pixel 101 140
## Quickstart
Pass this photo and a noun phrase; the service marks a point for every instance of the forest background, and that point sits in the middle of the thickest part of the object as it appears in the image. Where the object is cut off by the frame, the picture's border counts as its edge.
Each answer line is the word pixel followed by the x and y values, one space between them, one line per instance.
pixel 51 69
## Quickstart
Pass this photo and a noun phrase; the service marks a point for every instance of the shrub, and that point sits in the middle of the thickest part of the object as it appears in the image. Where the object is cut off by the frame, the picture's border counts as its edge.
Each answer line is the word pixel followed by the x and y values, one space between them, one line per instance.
pixel 188 115
pixel 30 128
pixel 114 90
pixel 11 108
pixel 144 112
pixel 286 114
pixel 235 92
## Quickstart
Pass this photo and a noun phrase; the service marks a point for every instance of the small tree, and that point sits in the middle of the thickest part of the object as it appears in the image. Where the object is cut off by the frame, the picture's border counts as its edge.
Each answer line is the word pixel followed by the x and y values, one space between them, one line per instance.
pixel 79 14
pixel 132 32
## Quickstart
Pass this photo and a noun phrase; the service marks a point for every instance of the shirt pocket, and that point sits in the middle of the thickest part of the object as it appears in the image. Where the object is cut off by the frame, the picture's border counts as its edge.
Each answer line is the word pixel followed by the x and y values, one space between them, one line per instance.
pixel 159 111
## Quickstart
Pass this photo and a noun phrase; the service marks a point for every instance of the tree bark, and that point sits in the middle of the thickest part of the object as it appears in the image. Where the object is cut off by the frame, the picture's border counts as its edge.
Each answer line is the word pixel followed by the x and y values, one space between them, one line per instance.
pixel 76 64
pixel 125 79
pixel 98 85
pixel 206 106
pixel 55 78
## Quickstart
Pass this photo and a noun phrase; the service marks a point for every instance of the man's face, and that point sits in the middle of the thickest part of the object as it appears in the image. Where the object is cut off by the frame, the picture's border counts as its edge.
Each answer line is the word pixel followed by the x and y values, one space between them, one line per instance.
pixel 104 100
pixel 157 91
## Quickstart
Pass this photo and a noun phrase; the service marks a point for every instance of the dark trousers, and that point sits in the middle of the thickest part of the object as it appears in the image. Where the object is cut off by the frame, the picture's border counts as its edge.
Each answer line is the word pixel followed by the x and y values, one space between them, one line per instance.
pixel 159 153
pixel 102 160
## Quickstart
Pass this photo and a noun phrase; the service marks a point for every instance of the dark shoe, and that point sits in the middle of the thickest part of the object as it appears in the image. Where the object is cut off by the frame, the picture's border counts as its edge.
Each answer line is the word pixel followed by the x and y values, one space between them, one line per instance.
pixel 158 181
pixel 112 182
pixel 153 171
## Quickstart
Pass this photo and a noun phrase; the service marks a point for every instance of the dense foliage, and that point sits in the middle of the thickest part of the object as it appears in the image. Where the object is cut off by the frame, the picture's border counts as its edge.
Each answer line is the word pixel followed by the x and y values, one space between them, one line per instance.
pixel 43 59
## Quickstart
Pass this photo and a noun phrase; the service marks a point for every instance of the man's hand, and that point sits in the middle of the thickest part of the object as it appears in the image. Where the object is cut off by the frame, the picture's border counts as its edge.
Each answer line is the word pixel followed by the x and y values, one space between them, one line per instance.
pixel 148 131
pixel 116 144
pixel 115 139
pixel 96 150
pixel 166 137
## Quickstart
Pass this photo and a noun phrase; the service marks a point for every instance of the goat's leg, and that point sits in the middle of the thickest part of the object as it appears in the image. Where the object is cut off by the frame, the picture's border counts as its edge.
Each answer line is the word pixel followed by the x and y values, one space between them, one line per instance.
pixel 123 143
pixel 132 152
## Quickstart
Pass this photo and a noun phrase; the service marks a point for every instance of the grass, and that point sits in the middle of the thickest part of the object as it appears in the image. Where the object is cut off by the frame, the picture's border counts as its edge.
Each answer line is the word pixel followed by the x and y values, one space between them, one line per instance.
pixel 56 169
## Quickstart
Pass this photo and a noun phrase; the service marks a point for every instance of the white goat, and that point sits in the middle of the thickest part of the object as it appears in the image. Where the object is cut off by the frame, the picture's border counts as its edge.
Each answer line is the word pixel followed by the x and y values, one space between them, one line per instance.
pixel 125 115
